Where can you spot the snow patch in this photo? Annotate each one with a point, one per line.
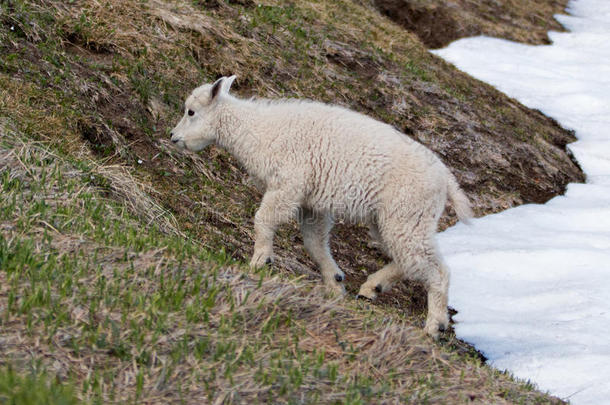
(532, 284)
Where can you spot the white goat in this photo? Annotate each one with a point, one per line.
(326, 162)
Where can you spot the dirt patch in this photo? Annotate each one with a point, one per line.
(439, 22)
(216, 4)
(350, 57)
(435, 26)
(100, 142)
(77, 38)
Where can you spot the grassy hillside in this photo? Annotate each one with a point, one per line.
(120, 258)
(105, 307)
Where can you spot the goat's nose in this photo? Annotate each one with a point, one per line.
(174, 140)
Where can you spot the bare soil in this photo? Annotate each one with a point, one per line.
(439, 22)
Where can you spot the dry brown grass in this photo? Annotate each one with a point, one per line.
(136, 196)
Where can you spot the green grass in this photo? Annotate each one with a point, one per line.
(33, 389)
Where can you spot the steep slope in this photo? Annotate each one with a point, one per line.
(106, 82)
(110, 80)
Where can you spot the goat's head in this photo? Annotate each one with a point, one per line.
(196, 129)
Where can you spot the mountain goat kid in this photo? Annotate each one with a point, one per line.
(325, 162)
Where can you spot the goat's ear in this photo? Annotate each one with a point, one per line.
(226, 84)
(216, 88)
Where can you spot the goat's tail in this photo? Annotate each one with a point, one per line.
(459, 200)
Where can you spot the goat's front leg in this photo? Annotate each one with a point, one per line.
(316, 234)
(277, 207)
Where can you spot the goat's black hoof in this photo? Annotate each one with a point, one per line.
(378, 289)
(339, 277)
(269, 260)
(442, 328)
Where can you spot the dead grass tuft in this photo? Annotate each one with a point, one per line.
(135, 195)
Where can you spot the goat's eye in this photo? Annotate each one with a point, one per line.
(191, 112)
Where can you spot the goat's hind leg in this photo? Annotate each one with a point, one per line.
(436, 279)
(416, 258)
(423, 263)
(316, 234)
(380, 281)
